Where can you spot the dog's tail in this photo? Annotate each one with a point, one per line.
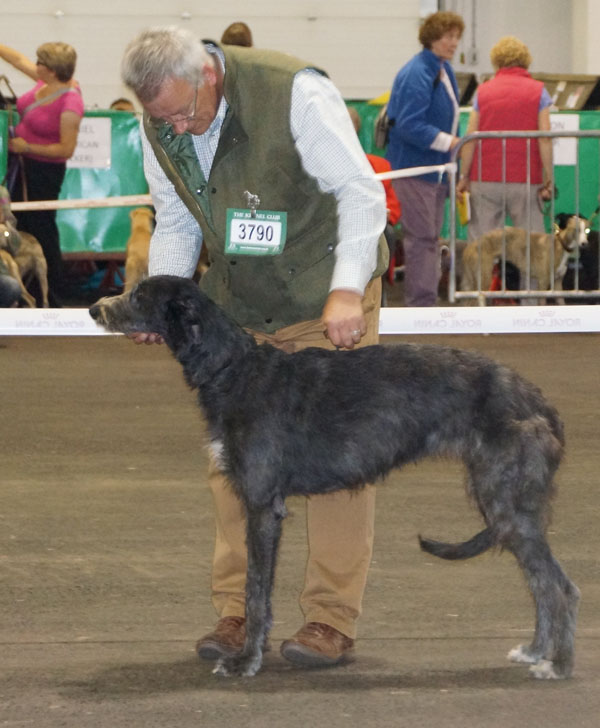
(453, 551)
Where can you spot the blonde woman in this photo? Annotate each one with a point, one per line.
(514, 101)
(45, 137)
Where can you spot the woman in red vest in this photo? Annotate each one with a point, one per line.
(511, 100)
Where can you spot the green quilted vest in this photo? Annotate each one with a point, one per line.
(256, 152)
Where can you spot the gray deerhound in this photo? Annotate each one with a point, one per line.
(317, 421)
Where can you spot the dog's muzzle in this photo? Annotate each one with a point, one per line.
(97, 312)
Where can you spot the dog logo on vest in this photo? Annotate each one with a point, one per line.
(252, 201)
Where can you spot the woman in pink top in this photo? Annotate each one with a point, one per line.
(46, 137)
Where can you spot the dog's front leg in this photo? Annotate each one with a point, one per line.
(263, 533)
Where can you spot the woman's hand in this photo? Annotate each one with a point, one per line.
(464, 185)
(18, 145)
(545, 192)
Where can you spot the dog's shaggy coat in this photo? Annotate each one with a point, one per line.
(318, 421)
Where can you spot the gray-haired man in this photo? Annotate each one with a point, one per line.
(252, 154)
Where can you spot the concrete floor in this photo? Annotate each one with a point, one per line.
(105, 546)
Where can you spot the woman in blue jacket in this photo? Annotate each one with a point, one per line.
(424, 112)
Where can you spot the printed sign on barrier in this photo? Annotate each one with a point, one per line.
(93, 145)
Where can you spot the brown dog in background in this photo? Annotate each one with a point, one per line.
(138, 246)
(564, 243)
(29, 261)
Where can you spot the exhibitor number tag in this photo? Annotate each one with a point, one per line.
(263, 233)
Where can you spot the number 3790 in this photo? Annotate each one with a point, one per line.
(256, 232)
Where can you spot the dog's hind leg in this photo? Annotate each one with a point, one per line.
(512, 486)
(263, 534)
(556, 598)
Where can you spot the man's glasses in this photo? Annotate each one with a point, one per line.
(183, 119)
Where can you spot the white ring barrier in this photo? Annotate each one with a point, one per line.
(123, 201)
(490, 320)
(49, 322)
(416, 171)
(392, 321)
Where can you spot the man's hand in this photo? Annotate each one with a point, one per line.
(343, 318)
(146, 338)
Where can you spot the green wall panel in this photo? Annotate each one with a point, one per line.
(104, 229)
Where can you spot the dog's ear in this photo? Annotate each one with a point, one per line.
(183, 318)
(562, 218)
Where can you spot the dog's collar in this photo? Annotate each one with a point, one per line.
(560, 234)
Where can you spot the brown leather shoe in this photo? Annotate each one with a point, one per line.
(318, 645)
(226, 640)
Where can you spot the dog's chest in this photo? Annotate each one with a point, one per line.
(217, 453)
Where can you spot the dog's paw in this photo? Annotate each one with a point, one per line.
(220, 668)
(544, 670)
(522, 654)
(239, 665)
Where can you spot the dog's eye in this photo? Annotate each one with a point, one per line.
(587, 231)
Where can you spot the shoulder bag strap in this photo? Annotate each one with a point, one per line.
(45, 100)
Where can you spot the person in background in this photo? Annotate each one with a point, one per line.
(45, 137)
(238, 34)
(122, 104)
(10, 291)
(225, 129)
(510, 101)
(424, 113)
(379, 165)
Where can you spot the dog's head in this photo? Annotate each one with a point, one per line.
(187, 320)
(10, 239)
(4, 235)
(156, 305)
(573, 230)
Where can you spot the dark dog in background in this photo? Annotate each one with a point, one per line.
(582, 270)
(317, 421)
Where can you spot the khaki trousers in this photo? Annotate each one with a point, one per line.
(340, 525)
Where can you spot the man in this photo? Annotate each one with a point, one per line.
(252, 154)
